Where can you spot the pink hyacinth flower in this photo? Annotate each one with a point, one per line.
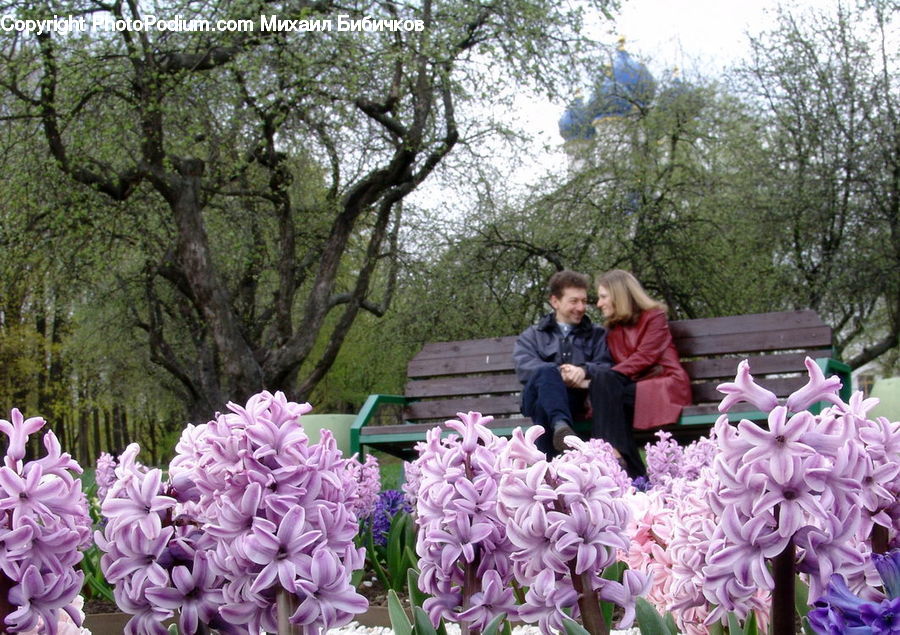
(743, 388)
(817, 389)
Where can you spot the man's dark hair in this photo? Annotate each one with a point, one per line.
(565, 279)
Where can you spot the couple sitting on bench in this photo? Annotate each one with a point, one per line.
(624, 376)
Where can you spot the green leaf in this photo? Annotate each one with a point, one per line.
(801, 597)
(750, 625)
(423, 624)
(173, 629)
(396, 556)
(494, 625)
(670, 623)
(372, 555)
(416, 597)
(411, 560)
(613, 572)
(399, 619)
(649, 620)
(574, 628)
(734, 624)
(714, 629)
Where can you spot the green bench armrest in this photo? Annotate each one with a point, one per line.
(373, 403)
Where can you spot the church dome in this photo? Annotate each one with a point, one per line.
(576, 122)
(626, 87)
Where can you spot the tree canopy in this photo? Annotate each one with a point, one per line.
(250, 182)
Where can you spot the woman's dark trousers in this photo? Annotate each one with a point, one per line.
(612, 398)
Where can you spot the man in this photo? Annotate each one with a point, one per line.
(554, 358)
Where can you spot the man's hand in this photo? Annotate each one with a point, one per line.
(573, 376)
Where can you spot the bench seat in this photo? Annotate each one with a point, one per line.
(445, 378)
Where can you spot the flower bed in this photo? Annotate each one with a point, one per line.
(254, 528)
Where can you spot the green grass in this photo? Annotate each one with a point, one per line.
(391, 470)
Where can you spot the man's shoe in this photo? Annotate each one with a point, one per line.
(560, 432)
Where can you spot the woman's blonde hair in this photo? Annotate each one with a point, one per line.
(627, 295)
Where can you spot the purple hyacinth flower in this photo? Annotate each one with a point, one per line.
(840, 611)
(817, 389)
(196, 594)
(29, 495)
(328, 597)
(140, 502)
(888, 567)
(132, 555)
(281, 550)
(389, 504)
(625, 594)
(882, 618)
(18, 431)
(494, 598)
(42, 595)
(147, 618)
(743, 388)
(781, 444)
(750, 543)
(546, 600)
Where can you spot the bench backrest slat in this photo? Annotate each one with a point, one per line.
(747, 323)
(724, 368)
(460, 386)
(486, 346)
(464, 365)
(447, 408)
(753, 342)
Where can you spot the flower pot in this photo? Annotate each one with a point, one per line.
(888, 391)
(339, 425)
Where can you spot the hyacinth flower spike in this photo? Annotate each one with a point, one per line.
(18, 430)
(888, 567)
(817, 389)
(841, 611)
(743, 388)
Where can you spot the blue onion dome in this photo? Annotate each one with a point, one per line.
(627, 86)
(575, 124)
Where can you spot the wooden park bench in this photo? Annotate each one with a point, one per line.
(445, 378)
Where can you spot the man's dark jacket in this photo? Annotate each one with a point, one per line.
(542, 345)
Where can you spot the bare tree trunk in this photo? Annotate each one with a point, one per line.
(108, 446)
(95, 434)
(83, 436)
(119, 431)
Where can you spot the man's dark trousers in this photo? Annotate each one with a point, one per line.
(546, 399)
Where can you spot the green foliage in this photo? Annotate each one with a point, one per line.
(417, 598)
(649, 621)
(226, 207)
(392, 563)
(613, 572)
(573, 628)
(400, 623)
(95, 584)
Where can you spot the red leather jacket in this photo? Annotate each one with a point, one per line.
(644, 352)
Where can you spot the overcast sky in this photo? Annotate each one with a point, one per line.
(699, 37)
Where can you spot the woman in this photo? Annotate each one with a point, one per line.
(646, 387)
